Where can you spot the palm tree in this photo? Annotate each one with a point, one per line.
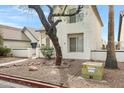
(111, 61)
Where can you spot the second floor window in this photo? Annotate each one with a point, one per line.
(75, 18)
(72, 18)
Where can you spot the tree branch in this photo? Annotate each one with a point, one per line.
(53, 24)
(64, 9)
(57, 21)
(76, 12)
(53, 27)
(50, 15)
(41, 15)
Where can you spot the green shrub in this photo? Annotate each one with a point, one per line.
(1, 40)
(47, 51)
(4, 51)
(1, 51)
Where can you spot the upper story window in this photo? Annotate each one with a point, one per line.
(75, 18)
(72, 18)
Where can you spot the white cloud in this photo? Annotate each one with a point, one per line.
(16, 16)
(10, 24)
(25, 10)
(14, 13)
(19, 13)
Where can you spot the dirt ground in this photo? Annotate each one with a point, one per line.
(68, 75)
(8, 59)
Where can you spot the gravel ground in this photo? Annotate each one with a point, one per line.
(8, 59)
(68, 75)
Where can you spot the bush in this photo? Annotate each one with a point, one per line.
(1, 51)
(47, 51)
(4, 51)
(1, 40)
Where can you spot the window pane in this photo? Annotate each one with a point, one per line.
(72, 44)
(80, 43)
(75, 42)
(79, 17)
(72, 18)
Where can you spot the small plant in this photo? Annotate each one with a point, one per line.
(4, 51)
(47, 51)
(1, 40)
(1, 51)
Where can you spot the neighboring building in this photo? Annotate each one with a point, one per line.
(121, 31)
(44, 39)
(33, 35)
(16, 38)
(78, 34)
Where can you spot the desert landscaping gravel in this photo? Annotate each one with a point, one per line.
(68, 75)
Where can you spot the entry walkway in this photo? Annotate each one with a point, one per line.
(13, 62)
(6, 84)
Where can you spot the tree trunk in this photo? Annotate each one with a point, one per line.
(111, 61)
(50, 28)
(57, 47)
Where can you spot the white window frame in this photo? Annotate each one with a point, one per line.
(78, 17)
(75, 35)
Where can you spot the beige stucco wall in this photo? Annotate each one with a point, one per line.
(122, 35)
(42, 39)
(100, 55)
(91, 29)
(95, 30)
(32, 35)
(14, 37)
(12, 33)
(17, 44)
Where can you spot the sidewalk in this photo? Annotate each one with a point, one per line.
(13, 62)
(6, 84)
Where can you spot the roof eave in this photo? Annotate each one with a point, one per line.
(97, 14)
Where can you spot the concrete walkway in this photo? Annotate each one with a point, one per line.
(6, 84)
(13, 62)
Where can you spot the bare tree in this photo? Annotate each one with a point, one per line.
(111, 61)
(50, 26)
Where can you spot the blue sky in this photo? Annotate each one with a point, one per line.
(103, 11)
(19, 17)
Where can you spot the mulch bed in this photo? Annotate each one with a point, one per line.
(68, 75)
(8, 59)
